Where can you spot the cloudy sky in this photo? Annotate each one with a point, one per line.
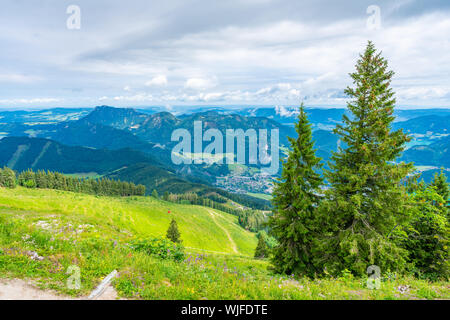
(216, 52)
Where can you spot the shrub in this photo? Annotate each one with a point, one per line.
(425, 236)
(29, 184)
(161, 248)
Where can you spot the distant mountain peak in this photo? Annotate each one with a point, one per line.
(164, 114)
(121, 118)
(114, 110)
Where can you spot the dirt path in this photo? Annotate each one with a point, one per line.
(24, 290)
(233, 244)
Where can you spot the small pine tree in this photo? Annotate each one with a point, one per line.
(366, 199)
(296, 197)
(172, 233)
(261, 249)
(166, 196)
(155, 194)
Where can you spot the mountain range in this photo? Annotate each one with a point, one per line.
(135, 145)
(23, 153)
(435, 154)
(425, 125)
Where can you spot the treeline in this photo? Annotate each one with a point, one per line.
(195, 199)
(58, 181)
(246, 200)
(154, 177)
(222, 196)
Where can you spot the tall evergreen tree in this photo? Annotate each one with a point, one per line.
(295, 199)
(172, 233)
(366, 199)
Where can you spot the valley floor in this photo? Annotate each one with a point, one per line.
(44, 234)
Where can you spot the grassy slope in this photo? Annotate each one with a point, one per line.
(260, 195)
(93, 232)
(144, 217)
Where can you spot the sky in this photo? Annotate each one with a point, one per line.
(228, 52)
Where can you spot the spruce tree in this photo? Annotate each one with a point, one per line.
(366, 199)
(295, 198)
(261, 249)
(172, 233)
(155, 194)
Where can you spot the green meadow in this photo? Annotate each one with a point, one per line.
(260, 195)
(143, 217)
(44, 232)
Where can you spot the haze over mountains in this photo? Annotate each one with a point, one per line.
(135, 145)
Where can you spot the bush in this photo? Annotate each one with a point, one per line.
(161, 248)
(425, 236)
(29, 184)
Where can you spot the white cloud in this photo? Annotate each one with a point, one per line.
(18, 78)
(282, 92)
(428, 93)
(29, 101)
(160, 80)
(285, 112)
(200, 83)
(140, 97)
(263, 54)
